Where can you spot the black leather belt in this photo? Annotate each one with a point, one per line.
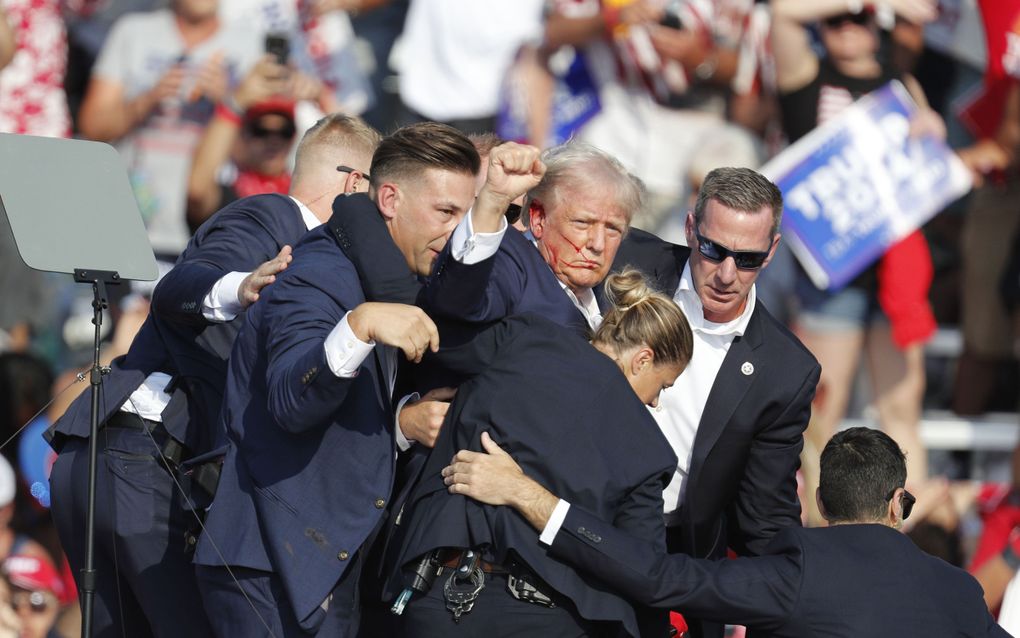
(171, 450)
(130, 421)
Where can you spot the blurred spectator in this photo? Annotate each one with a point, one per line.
(10, 624)
(885, 310)
(454, 56)
(153, 89)
(991, 230)
(7, 43)
(664, 72)
(245, 148)
(25, 383)
(85, 37)
(35, 594)
(12, 542)
(32, 99)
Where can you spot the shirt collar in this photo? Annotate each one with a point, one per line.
(585, 301)
(307, 216)
(687, 298)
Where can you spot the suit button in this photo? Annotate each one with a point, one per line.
(343, 555)
(380, 503)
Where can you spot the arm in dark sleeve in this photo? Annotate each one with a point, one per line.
(382, 268)
(298, 315)
(475, 356)
(766, 500)
(759, 592)
(641, 516)
(237, 240)
(479, 293)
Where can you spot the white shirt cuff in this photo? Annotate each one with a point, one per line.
(552, 528)
(345, 352)
(469, 247)
(222, 304)
(404, 443)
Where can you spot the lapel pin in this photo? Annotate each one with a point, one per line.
(747, 368)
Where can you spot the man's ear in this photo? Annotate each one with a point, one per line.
(354, 180)
(388, 198)
(536, 218)
(820, 504)
(689, 228)
(772, 250)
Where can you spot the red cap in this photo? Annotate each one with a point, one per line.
(273, 106)
(33, 574)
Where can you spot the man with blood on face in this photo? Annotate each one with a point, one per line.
(578, 209)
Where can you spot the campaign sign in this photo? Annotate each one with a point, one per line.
(859, 183)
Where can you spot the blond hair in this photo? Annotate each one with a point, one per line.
(640, 316)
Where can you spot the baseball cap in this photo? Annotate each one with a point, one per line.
(33, 574)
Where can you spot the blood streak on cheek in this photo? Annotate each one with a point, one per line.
(585, 262)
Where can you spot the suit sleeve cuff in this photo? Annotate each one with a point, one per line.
(403, 443)
(469, 247)
(552, 528)
(345, 352)
(222, 303)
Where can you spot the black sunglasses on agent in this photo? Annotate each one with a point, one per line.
(907, 501)
(744, 259)
(348, 169)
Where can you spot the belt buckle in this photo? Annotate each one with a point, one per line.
(463, 585)
(524, 591)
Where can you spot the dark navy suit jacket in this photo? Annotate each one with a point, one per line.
(310, 464)
(845, 581)
(742, 486)
(514, 281)
(177, 339)
(571, 419)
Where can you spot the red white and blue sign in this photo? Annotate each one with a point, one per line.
(861, 182)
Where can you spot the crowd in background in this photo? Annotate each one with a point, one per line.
(204, 100)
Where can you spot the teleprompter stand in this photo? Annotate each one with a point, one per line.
(71, 210)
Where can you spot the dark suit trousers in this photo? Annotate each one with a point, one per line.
(496, 614)
(263, 609)
(145, 581)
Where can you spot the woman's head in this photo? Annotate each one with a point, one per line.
(645, 333)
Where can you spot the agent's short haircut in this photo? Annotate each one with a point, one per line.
(485, 142)
(412, 150)
(860, 468)
(574, 166)
(741, 189)
(341, 138)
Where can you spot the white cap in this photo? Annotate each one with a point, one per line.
(8, 482)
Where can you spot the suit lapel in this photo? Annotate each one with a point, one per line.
(737, 373)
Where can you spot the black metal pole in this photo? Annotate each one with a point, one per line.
(88, 573)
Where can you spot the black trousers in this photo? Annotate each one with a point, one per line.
(145, 580)
(496, 614)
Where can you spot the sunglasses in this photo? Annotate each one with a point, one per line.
(907, 501)
(348, 169)
(860, 19)
(37, 601)
(261, 132)
(744, 259)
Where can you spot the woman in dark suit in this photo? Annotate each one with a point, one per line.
(573, 414)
